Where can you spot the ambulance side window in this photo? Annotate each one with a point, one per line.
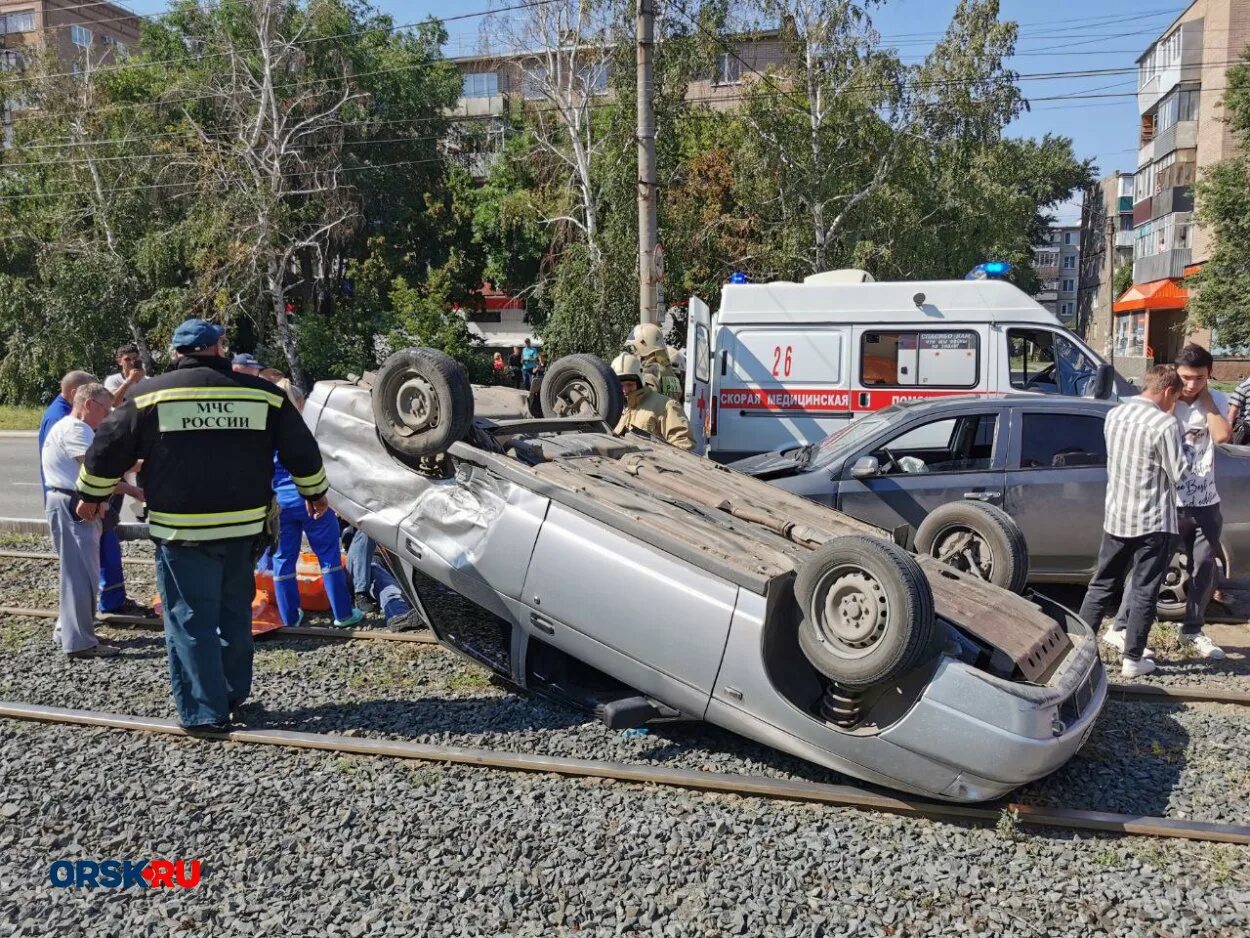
(930, 359)
(1048, 362)
(702, 354)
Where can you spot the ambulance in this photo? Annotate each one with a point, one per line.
(785, 364)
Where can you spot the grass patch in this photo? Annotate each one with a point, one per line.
(281, 659)
(13, 637)
(19, 417)
(390, 673)
(1008, 826)
(468, 680)
(11, 540)
(422, 775)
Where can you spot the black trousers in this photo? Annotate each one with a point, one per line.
(1134, 566)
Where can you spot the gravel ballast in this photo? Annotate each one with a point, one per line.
(464, 851)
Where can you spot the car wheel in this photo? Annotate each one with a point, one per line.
(977, 539)
(867, 611)
(422, 402)
(582, 386)
(1174, 592)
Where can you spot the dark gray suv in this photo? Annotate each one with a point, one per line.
(1041, 459)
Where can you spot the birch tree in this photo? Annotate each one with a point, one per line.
(825, 122)
(269, 132)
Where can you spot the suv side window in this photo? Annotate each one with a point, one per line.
(1048, 361)
(1062, 441)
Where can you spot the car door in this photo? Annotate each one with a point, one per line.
(1056, 479)
(962, 455)
(699, 373)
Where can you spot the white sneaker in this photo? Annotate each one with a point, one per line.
(1203, 645)
(1131, 668)
(1114, 638)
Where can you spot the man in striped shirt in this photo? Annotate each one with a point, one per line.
(1145, 465)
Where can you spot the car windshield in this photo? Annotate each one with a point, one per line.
(850, 436)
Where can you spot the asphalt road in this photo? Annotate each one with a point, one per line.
(20, 491)
(20, 495)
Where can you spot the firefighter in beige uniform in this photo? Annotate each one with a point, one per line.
(647, 342)
(649, 410)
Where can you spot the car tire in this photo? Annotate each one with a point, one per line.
(980, 540)
(1174, 591)
(582, 386)
(867, 611)
(422, 402)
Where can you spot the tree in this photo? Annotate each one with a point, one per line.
(1223, 208)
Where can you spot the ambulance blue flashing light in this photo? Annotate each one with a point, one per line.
(989, 270)
(738, 277)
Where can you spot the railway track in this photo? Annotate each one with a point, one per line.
(1145, 693)
(754, 786)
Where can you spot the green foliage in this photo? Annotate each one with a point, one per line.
(1223, 207)
(843, 156)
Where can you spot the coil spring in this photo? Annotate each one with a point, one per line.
(840, 706)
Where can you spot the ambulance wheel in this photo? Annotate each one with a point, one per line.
(980, 540)
(867, 611)
(582, 386)
(422, 402)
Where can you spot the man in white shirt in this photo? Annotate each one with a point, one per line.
(130, 372)
(77, 543)
(1202, 416)
(1145, 467)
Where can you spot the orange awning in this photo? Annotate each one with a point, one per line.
(1157, 294)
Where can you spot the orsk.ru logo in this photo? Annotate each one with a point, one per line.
(123, 874)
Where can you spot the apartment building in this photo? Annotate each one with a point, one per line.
(1057, 261)
(71, 29)
(1181, 80)
(1109, 198)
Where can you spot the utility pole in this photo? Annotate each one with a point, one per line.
(648, 224)
(1111, 233)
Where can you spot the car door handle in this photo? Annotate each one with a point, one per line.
(542, 623)
(983, 496)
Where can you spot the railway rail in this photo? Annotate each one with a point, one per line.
(846, 796)
(1144, 693)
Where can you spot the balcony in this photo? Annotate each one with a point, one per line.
(1124, 239)
(1125, 203)
(1173, 199)
(1161, 266)
(1142, 212)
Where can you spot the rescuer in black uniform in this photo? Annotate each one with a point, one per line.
(206, 436)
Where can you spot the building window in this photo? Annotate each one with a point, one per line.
(1069, 262)
(1067, 237)
(11, 61)
(728, 69)
(1046, 259)
(1187, 107)
(595, 78)
(80, 36)
(1069, 286)
(1065, 310)
(1142, 185)
(533, 83)
(23, 21)
(480, 85)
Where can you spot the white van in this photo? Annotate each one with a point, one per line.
(785, 364)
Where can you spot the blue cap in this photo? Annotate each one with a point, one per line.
(196, 334)
(247, 359)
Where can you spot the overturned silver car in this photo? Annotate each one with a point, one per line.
(644, 583)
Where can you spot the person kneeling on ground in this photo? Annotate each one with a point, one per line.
(1145, 466)
(374, 585)
(294, 523)
(649, 410)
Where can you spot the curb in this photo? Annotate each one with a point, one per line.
(18, 434)
(126, 531)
